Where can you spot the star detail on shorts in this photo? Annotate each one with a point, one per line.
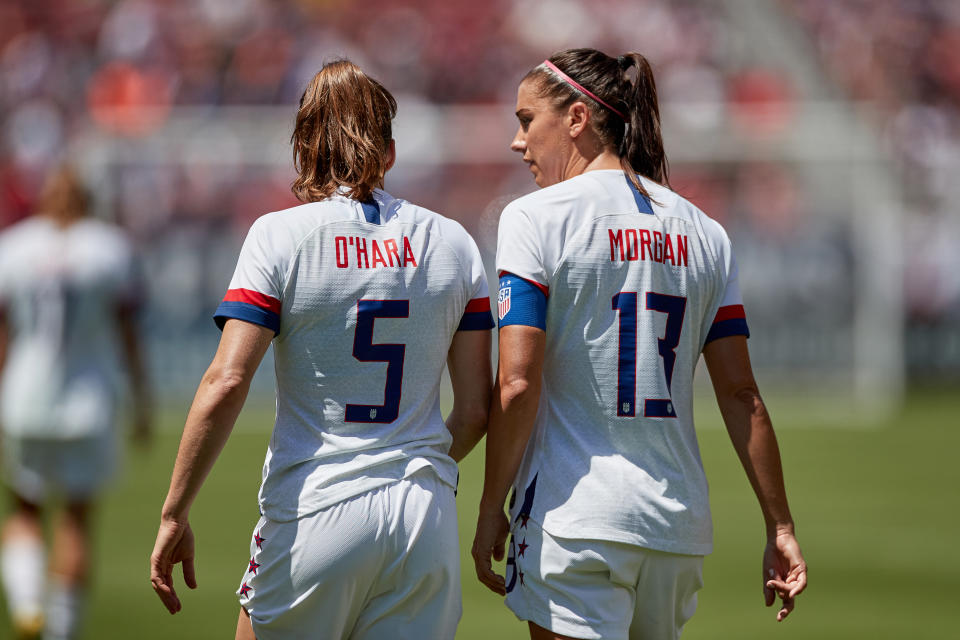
(258, 540)
(523, 546)
(520, 574)
(244, 589)
(523, 519)
(253, 566)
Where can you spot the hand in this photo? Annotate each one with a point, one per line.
(492, 529)
(174, 544)
(784, 572)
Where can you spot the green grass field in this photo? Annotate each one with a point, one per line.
(876, 507)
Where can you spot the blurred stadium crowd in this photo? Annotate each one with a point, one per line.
(121, 69)
(902, 58)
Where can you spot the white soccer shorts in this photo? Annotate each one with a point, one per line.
(600, 589)
(76, 469)
(382, 565)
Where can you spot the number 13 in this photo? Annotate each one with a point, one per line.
(626, 303)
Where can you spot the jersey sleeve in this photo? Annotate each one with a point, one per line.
(523, 293)
(521, 302)
(518, 248)
(255, 291)
(476, 315)
(730, 320)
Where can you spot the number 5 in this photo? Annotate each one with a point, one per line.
(626, 303)
(365, 351)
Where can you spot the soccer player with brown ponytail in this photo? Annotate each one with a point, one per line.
(611, 287)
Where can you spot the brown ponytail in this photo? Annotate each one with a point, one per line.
(636, 139)
(342, 134)
(642, 147)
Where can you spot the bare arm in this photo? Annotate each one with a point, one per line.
(469, 365)
(513, 410)
(751, 432)
(140, 390)
(215, 408)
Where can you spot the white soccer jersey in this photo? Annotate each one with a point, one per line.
(61, 289)
(364, 301)
(633, 292)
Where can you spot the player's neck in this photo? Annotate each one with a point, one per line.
(63, 219)
(606, 159)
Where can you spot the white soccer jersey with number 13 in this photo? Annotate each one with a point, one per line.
(364, 300)
(634, 289)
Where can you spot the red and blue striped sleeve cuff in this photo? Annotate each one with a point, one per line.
(521, 301)
(477, 316)
(249, 306)
(730, 320)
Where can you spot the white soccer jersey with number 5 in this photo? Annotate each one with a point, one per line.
(628, 291)
(364, 299)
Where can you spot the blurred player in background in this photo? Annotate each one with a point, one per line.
(69, 290)
(364, 297)
(611, 285)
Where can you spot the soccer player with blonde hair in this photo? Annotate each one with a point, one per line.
(364, 297)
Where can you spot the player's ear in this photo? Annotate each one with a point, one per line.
(391, 155)
(578, 116)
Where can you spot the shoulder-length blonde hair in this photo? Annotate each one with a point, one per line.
(342, 134)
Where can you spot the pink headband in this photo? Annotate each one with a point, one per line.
(579, 87)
